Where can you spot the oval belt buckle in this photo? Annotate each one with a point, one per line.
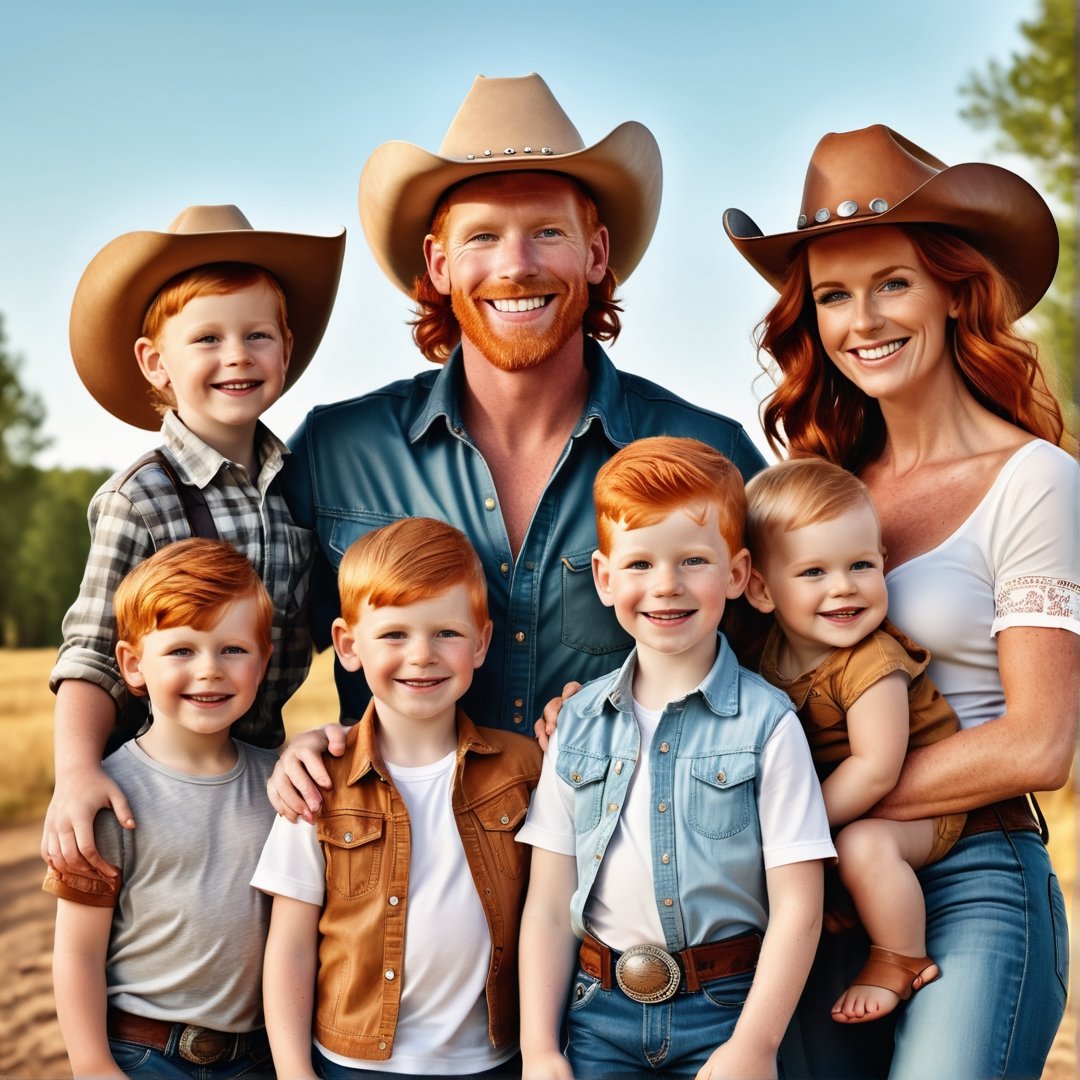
(190, 1050)
(648, 974)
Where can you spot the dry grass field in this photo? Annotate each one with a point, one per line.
(30, 1044)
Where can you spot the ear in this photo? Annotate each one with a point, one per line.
(437, 264)
(482, 644)
(128, 660)
(757, 592)
(287, 343)
(266, 663)
(345, 645)
(954, 306)
(598, 256)
(150, 363)
(601, 575)
(740, 572)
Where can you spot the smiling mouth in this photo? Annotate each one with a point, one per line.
(881, 351)
(238, 387)
(842, 614)
(668, 616)
(422, 684)
(524, 303)
(207, 699)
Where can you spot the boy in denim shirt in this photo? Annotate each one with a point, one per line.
(678, 829)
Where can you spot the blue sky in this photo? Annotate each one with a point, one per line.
(116, 114)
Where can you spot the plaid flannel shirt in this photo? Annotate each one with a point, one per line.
(132, 519)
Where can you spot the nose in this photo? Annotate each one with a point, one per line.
(519, 258)
(209, 667)
(666, 581)
(237, 353)
(842, 584)
(421, 653)
(868, 317)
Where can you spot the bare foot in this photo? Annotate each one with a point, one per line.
(861, 1002)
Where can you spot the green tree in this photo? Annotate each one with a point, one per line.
(1032, 104)
(21, 416)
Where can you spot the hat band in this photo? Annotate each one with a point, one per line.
(848, 208)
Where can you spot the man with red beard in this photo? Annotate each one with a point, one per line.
(509, 240)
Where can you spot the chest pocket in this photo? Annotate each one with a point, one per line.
(585, 774)
(352, 844)
(346, 530)
(500, 818)
(722, 793)
(587, 625)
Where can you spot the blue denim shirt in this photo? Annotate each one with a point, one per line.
(403, 451)
(708, 870)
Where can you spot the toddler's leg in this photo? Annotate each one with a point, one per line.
(877, 863)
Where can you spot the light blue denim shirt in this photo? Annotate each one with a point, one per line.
(403, 451)
(704, 828)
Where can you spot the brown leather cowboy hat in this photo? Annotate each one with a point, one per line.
(876, 177)
(508, 125)
(123, 278)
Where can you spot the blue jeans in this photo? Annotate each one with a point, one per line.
(612, 1036)
(137, 1060)
(995, 925)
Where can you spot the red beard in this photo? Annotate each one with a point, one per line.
(518, 348)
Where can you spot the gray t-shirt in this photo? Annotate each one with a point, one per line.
(188, 930)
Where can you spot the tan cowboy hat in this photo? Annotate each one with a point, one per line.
(876, 177)
(123, 278)
(509, 125)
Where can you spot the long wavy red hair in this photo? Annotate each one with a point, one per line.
(817, 410)
(436, 330)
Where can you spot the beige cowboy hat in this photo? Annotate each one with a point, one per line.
(123, 278)
(509, 125)
(876, 177)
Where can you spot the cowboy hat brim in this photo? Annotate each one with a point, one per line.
(122, 280)
(996, 211)
(401, 185)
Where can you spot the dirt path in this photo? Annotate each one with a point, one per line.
(30, 1043)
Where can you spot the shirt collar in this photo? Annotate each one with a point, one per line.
(719, 689)
(606, 402)
(366, 757)
(198, 464)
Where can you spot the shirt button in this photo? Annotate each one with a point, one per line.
(576, 777)
(518, 702)
(668, 901)
(489, 503)
(388, 974)
(721, 777)
(664, 748)
(504, 567)
(662, 807)
(347, 838)
(519, 719)
(519, 637)
(382, 1045)
(618, 767)
(612, 807)
(393, 901)
(665, 858)
(505, 819)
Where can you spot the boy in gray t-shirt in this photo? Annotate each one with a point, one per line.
(160, 969)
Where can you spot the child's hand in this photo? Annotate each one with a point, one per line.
(736, 1061)
(544, 728)
(67, 842)
(294, 785)
(550, 1066)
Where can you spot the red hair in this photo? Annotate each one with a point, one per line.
(817, 410)
(213, 279)
(411, 560)
(189, 583)
(436, 330)
(651, 478)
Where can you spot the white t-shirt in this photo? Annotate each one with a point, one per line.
(1015, 561)
(621, 909)
(443, 1021)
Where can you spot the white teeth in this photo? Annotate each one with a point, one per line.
(237, 385)
(667, 614)
(881, 351)
(528, 303)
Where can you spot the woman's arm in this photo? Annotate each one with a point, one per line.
(1029, 748)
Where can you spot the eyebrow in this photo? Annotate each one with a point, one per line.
(877, 276)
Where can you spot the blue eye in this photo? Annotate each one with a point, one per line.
(826, 298)
(812, 572)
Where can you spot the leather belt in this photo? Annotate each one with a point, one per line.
(199, 1045)
(1009, 815)
(649, 974)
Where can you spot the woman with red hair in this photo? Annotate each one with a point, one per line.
(895, 356)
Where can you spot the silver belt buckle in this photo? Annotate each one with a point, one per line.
(648, 974)
(189, 1046)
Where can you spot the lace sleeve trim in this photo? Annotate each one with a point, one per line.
(1049, 599)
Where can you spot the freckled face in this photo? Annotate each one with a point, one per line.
(882, 317)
